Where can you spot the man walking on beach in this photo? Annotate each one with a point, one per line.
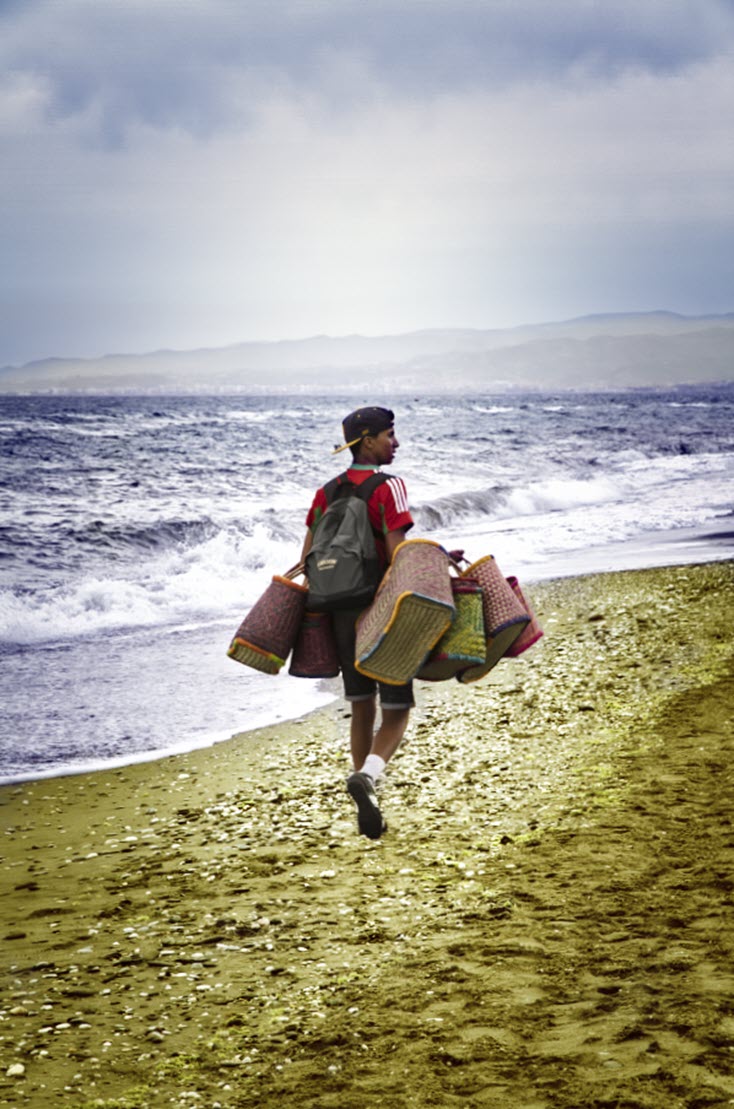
(369, 434)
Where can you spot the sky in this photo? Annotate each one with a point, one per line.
(193, 173)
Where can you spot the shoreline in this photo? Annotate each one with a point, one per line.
(676, 548)
(211, 922)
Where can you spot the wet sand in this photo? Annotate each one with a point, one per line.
(548, 923)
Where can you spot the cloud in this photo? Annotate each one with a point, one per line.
(200, 66)
(198, 173)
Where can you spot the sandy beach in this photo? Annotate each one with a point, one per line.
(548, 923)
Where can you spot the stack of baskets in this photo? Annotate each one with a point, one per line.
(505, 616)
(422, 623)
(278, 624)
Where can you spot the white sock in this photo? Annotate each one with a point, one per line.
(374, 766)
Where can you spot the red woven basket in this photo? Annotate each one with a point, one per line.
(532, 632)
(314, 655)
(267, 634)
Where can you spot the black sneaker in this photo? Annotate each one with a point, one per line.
(361, 788)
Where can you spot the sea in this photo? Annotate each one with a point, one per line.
(137, 531)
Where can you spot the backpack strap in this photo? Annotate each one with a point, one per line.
(341, 486)
(332, 487)
(366, 488)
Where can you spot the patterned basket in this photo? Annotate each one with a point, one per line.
(266, 636)
(411, 611)
(532, 632)
(464, 643)
(504, 615)
(314, 655)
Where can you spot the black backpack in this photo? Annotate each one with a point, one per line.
(342, 566)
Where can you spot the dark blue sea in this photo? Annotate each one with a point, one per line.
(135, 532)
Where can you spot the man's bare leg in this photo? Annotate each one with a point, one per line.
(390, 733)
(365, 741)
(370, 753)
(362, 730)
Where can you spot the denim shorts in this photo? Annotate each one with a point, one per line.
(358, 687)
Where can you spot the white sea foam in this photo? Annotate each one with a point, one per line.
(558, 494)
(223, 575)
(249, 416)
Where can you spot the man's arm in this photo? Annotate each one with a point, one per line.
(391, 502)
(307, 543)
(393, 539)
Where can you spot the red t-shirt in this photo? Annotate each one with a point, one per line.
(387, 508)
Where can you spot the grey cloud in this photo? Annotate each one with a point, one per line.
(205, 65)
(192, 172)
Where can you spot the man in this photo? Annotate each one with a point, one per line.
(370, 435)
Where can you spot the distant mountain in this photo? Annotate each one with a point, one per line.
(604, 351)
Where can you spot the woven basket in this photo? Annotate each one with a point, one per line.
(504, 615)
(314, 655)
(267, 634)
(464, 643)
(532, 632)
(411, 611)
(242, 651)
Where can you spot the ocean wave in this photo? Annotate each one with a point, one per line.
(59, 433)
(222, 575)
(558, 494)
(456, 506)
(502, 502)
(120, 537)
(58, 545)
(695, 403)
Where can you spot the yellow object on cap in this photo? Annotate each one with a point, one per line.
(343, 447)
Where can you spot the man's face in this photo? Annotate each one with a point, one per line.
(382, 447)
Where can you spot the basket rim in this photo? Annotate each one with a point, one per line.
(291, 584)
(475, 566)
(416, 541)
(251, 646)
(448, 609)
(526, 645)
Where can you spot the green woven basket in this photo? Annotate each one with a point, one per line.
(463, 644)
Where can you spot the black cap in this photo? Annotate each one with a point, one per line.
(365, 421)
